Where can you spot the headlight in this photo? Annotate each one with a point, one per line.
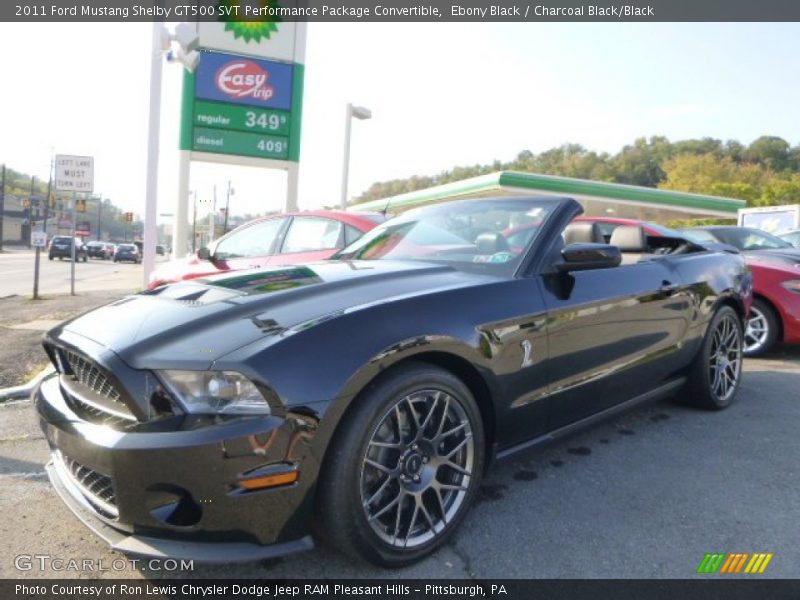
(216, 392)
(793, 285)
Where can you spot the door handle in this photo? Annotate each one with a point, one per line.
(668, 287)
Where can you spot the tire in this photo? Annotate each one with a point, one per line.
(49, 258)
(413, 441)
(716, 372)
(762, 329)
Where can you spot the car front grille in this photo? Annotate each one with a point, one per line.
(90, 391)
(90, 375)
(98, 489)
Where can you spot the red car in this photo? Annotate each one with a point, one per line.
(775, 312)
(609, 224)
(283, 239)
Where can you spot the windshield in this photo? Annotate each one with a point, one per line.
(487, 235)
(699, 235)
(745, 238)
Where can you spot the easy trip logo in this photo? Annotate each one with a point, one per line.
(244, 78)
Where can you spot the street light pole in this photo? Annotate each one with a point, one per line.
(361, 113)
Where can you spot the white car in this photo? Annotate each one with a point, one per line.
(793, 237)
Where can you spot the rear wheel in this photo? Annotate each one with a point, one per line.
(717, 368)
(404, 468)
(762, 329)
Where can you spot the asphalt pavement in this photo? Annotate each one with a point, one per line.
(645, 495)
(16, 275)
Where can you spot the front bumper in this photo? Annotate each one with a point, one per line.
(789, 306)
(175, 492)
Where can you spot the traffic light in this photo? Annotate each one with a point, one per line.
(52, 201)
(129, 217)
(80, 205)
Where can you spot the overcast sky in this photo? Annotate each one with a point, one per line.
(441, 95)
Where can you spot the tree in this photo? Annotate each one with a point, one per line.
(769, 151)
(781, 191)
(640, 164)
(763, 173)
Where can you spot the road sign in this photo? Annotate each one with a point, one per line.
(83, 228)
(38, 239)
(244, 107)
(74, 173)
(241, 144)
(277, 40)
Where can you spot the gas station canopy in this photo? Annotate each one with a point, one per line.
(598, 198)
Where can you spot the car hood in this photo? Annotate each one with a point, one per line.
(783, 255)
(191, 324)
(184, 268)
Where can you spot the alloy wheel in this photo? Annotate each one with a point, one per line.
(725, 360)
(417, 468)
(756, 332)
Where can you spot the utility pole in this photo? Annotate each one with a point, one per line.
(194, 226)
(99, 215)
(72, 245)
(47, 203)
(2, 203)
(227, 208)
(212, 218)
(30, 211)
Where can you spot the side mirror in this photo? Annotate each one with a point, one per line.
(582, 257)
(204, 253)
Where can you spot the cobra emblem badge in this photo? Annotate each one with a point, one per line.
(527, 353)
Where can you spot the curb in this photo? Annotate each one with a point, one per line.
(23, 391)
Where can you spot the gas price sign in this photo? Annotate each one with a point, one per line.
(246, 107)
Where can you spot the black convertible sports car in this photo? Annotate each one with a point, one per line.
(360, 399)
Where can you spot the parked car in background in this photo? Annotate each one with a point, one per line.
(751, 241)
(607, 225)
(275, 240)
(775, 263)
(101, 250)
(235, 416)
(793, 237)
(127, 253)
(61, 248)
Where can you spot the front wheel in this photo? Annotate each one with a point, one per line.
(404, 467)
(716, 372)
(762, 329)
